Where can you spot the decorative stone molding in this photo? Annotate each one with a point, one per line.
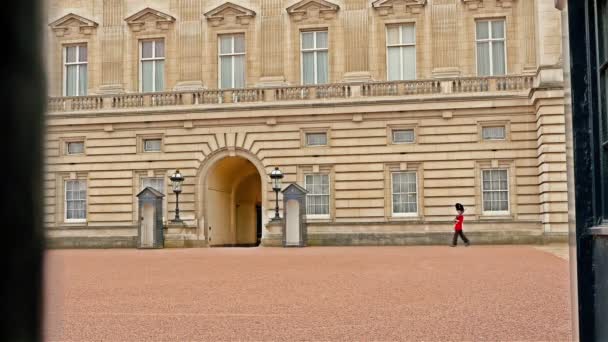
(312, 9)
(386, 7)
(475, 4)
(230, 13)
(149, 18)
(73, 24)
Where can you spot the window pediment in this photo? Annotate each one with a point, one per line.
(73, 24)
(475, 4)
(149, 17)
(310, 9)
(229, 13)
(385, 7)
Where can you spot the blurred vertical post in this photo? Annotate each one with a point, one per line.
(23, 100)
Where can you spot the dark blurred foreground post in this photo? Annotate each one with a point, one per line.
(588, 22)
(23, 99)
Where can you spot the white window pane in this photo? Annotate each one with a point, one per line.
(408, 34)
(403, 136)
(392, 35)
(308, 40)
(308, 68)
(321, 40)
(493, 133)
(82, 53)
(226, 71)
(147, 76)
(239, 43)
(75, 147)
(159, 48)
(483, 59)
(71, 80)
(498, 29)
(239, 71)
(316, 139)
(322, 72)
(394, 65)
(146, 49)
(82, 80)
(160, 76)
(152, 145)
(225, 44)
(498, 57)
(482, 30)
(409, 62)
(70, 54)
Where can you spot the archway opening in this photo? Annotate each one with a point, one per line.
(233, 203)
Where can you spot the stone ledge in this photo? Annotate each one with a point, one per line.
(91, 242)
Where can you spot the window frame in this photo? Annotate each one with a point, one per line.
(504, 128)
(154, 59)
(315, 51)
(485, 212)
(76, 63)
(65, 201)
(67, 147)
(395, 129)
(490, 41)
(160, 147)
(392, 207)
(324, 133)
(401, 45)
(232, 58)
(329, 196)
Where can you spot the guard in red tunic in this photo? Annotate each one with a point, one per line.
(458, 226)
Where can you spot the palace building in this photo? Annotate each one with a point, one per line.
(386, 112)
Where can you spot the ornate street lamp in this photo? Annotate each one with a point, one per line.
(177, 179)
(276, 175)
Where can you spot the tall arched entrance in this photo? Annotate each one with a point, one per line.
(233, 202)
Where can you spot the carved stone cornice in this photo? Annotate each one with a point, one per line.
(386, 7)
(312, 9)
(73, 24)
(475, 4)
(229, 13)
(149, 17)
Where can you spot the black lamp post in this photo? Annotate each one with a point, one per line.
(276, 175)
(177, 179)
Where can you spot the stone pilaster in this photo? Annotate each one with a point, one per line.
(355, 19)
(112, 41)
(445, 38)
(272, 42)
(188, 31)
(528, 35)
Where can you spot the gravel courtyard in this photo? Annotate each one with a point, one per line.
(497, 293)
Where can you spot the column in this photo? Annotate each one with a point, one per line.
(188, 32)
(444, 21)
(272, 31)
(112, 46)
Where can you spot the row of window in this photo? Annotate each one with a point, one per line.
(314, 51)
(404, 191)
(398, 136)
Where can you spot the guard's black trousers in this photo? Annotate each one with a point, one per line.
(455, 239)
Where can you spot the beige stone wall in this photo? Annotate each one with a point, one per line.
(445, 38)
(448, 153)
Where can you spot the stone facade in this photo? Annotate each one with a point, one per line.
(226, 141)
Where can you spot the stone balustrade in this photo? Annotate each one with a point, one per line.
(293, 93)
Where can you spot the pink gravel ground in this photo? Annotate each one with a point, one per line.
(481, 293)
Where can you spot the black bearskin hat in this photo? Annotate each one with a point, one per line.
(459, 207)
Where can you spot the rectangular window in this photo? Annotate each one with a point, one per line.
(152, 145)
(232, 61)
(75, 70)
(493, 133)
(75, 147)
(401, 136)
(495, 191)
(314, 48)
(317, 199)
(75, 200)
(491, 48)
(156, 183)
(404, 190)
(401, 52)
(316, 139)
(152, 65)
